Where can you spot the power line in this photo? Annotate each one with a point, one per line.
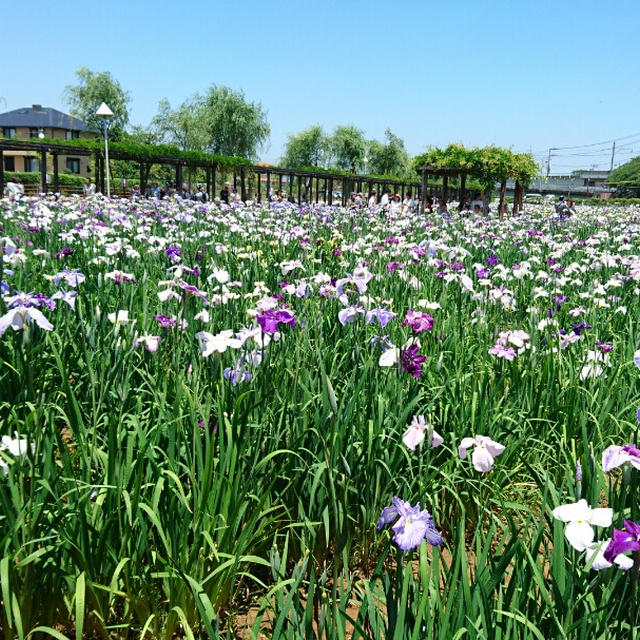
(584, 146)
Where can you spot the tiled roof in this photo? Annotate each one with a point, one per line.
(39, 116)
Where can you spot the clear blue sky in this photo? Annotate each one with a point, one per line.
(525, 75)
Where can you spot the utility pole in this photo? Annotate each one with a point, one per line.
(549, 160)
(613, 153)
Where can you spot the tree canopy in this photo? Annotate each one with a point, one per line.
(487, 164)
(347, 148)
(390, 158)
(626, 179)
(221, 122)
(183, 126)
(308, 148)
(92, 89)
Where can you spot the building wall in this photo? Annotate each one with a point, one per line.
(20, 158)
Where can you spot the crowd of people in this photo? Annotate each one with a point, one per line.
(392, 203)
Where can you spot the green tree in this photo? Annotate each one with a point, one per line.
(626, 179)
(234, 127)
(348, 148)
(390, 158)
(92, 89)
(306, 149)
(183, 127)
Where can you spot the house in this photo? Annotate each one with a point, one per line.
(42, 122)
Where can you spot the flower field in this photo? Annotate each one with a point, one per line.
(297, 422)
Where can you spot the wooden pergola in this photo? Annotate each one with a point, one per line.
(311, 186)
(444, 173)
(456, 172)
(43, 149)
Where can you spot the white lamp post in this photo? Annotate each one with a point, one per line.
(105, 113)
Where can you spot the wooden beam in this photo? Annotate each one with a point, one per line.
(330, 196)
(268, 185)
(259, 187)
(463, 189)
(243, 185)
(503, 187)
(423, 201)
(213, 182)
(56, 178)
(445, 187)
(43, 171)
(142, 178)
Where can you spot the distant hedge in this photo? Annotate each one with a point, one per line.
(33, 177)
(143, 152)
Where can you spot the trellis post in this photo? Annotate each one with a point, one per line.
(43, 171)
(56, 178)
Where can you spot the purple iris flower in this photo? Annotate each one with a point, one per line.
(604, 347)
(418, 321)
(165, 321)
(270, 319)
(383, 316)
(492, 261)
(483, 273)
(412, 361)
(268, 322)
(622, 541)
(559, 300)
(580, 327)
(172, 251)
(412, 524)
(65, 251)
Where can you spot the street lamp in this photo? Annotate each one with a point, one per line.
(105, 113)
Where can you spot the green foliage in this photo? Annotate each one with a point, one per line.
(221, 122)
(626, 179)
(306, 149)
(347, 148)
(34, 177)
(488, 165)
(127, 149)
(388, 158)
(160, 501)
(93, 89)
(183, 127)
(233, 126)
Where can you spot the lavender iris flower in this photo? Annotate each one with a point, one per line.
(349, 314)
(623, 541)
(383, 316)
(18, 317)
(615, 456)
(237, 374)
(412, 524)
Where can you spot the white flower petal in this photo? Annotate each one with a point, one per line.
(579, 534)
(571, 512)
(601, 517)
(482, 459)
(389, 357)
